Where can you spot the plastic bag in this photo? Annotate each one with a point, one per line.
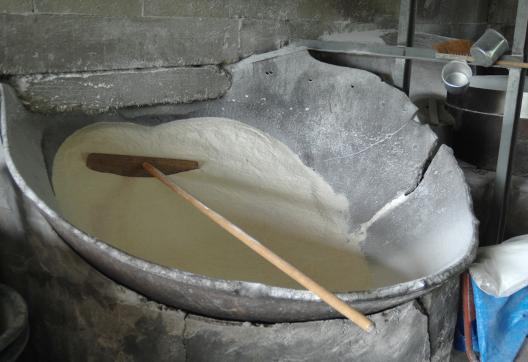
(502, 270)
(502, 324)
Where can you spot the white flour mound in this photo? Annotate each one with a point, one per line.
(250, 178)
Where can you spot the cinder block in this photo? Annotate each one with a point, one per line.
(69, 43)
(465, 31)
(258, 36)
(252, 9)
(314, 29)
(98, 92)
(92, 7)
(16, 6)
(268, 9)
(329, 10)
(197, 8)
(452, 11)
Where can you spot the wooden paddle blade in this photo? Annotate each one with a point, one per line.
(132, 166)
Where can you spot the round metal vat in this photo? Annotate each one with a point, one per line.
(359, 133)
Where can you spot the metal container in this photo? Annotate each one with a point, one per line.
(478, 118)
(359, 133)
(489, 47)
(456, 76)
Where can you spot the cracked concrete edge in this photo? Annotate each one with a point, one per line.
(97, 92)
(338, 339)
(206, 339)
(384, 140)
(422, 309)
(441, 324)
(433, 151)
(184, 339)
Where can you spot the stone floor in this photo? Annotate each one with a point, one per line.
(458, 356)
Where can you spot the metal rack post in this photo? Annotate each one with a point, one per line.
(402, 69)
(512, 107)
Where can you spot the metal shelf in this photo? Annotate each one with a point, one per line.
(404, 53)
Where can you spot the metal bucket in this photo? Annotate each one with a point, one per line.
(359, 133)
(456, 76)
(489, 47)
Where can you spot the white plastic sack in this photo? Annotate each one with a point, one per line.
(502, 270)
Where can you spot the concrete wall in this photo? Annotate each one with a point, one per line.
(72, 35)
(502, 15)
(40, 36)
(113, 39)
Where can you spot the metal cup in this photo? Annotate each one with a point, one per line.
(490, 46)
(456, 76)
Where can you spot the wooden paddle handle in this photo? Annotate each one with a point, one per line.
(356, 317)
(511, 64)
(470, 59)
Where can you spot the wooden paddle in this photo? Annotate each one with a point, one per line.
(129, 168)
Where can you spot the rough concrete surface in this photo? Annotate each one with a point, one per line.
(210, 8)
(274, 9)
(452, 12)
(259, 36)
(441, 305)
(502, 15)
(315, 29)
(96, 92)
(68, 36)
(331, 340)
(16, 6)
(92, 7)
(59, 43)
(48, 43)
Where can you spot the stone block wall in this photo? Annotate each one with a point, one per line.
(123, 36)
(40, 36)
(43, 36)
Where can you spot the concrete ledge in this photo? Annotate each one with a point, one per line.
(70, 43)
(47, 43)
(98, 92)
(92, 7)
(333, 10)
(16, 6)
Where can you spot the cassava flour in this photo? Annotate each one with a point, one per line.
(252, 179)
